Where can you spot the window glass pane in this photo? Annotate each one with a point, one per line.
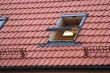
(1, 23)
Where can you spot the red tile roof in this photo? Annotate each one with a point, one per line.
(27, 24)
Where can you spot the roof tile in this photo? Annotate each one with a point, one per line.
(30, 62)
(52, 61)
(41, 62)
(74, 60)
(96, 61)
(107, 61)
(62, 62)
(47, 61)
(84, 61)
(90, 61)
(57, 61)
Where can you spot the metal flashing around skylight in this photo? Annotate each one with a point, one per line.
(60, 28)
(59, 43)
(3, 21)
(74, 15)
(3, 18)
(59, 22)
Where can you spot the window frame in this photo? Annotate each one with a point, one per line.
(60, 21)
(3, 20)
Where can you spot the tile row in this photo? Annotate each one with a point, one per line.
(17, 46)
(50, 4)
(21, 41)
(96, 44)
(95, 32)
(55, 61)
(24, 35)
(56, 9)
(96, 25)
(57, 54)
(48, 54)
(25, 28)
(35, 16)
(91, 17)
(35, 47)
(58, 14)
(94, 39)
(47, 21)
(31, 22)
(84, 2)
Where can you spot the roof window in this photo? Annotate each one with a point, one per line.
(3, 21)
(68, 27)
(66, 30)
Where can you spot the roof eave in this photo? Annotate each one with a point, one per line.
(51, 68)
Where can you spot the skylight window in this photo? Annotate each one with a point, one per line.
(66, 31)
(3, 21)
(68, 27)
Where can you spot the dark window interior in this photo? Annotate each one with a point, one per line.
(71, 22)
